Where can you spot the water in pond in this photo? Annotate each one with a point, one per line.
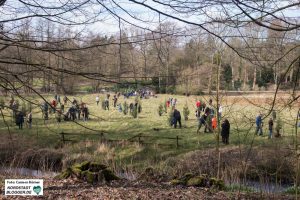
(26, 172)
(269, 187)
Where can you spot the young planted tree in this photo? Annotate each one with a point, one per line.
(125, 108)
(165, 107)
(186, 111)
(160, 109)
(134, 112)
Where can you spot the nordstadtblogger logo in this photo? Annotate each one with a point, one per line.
(37, 189)
(24, 187)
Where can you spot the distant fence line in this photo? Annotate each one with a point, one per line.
(140, 138)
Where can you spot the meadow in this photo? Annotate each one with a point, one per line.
(155, 147)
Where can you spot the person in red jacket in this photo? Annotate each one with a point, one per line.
(198, 104)
(214, 123)
(54, 105)
(168, 103)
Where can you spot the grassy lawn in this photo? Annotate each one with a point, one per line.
(240, 111)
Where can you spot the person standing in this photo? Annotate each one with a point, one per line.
(225, 131)
(198, 113)
(258, 122)
(177, 118)
(54, 103)
(168, 103)
(97, 99)
(220, 111)
(62, 108)
(271, 123)
(20, 119)
(106, 102)
(174, 103)
(85, 113)
(29, 120)
(214, 123)
(45, 110)
(65, 99)
(58, 99)
(115, 100)
(198, 104)
(120, 107)
(201, 122)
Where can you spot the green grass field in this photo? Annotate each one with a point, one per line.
(239, 110)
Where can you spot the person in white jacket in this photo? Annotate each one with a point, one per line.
(97, 99)
(220, 111)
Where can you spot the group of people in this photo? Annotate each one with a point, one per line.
(20, 115)
(209, 119)
(76, 111)
(175, 114)
(271, 122)
(171, 102)
(206, 114)
(105, 103)
(57, 107)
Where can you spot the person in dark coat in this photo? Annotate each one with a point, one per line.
(20, 120)
(65, 99)
(271, 123)
(72, 112)
(177, 118)
(202, 121)
(85, 112)
(115, 99)
(225, 131)
(259, 124)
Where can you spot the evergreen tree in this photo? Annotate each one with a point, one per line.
(186, 112)
(160, 109)
(125, 108)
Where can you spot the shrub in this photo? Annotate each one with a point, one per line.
(165, 106)
(125, 108)
(160, 109)
(186, 112)
(139, 108)
(134, 112)
(278, 127)
(103, 104)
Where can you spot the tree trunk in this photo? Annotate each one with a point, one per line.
(254, 78)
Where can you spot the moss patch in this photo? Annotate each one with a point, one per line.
(89, 172)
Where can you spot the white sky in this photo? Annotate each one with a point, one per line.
(107, 23)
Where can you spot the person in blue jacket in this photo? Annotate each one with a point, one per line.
(259, 124)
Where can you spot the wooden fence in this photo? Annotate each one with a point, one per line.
(140, 138)
(64, 135)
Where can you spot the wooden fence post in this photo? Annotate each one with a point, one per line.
(63, 137)
(101, 137)
(139, 138)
